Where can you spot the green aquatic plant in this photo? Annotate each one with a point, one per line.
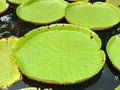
(114, 2)
(113, 50)
(3, 6)
(33, 88)
(9, 72)
(42, 11)
(77, 0)
(96, 16)
(29, 88)
(117, 88)
(59, 54)
(18, 2)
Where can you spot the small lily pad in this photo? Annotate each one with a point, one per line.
(117, 88)
(29, 88)
(3, 6)
(33, 88)
(113, 49)
(60, 54)
(17, 2)
(96, 16)
(78, 0)
(9, 72)
(42, 11)
(114, 2)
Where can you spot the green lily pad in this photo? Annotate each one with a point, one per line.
(9, 72)
(78, 0)
(48, 89)
(96, 16)
(117, 88)
(42, 11)
(29, 88)
(18, 2)
(114, 2)
(33, 88)
(113, 50)
(3, 6)
(60, 54)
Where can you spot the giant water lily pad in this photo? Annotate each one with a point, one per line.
(3, 6)
(60, 54)
(114, 2)
(117, 88)
(9, 72)
(33, 88)
(96, 16)
(42, 11)
(113, 49)
(29, 88)
(16, 1)
(78, 0)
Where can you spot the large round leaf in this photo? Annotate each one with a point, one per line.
(117, 88)
(96, 16)
(33, 88)
(114, 2)
(113, 49)
(77, 0)
(16, 1)
(61, 54)
(42, 11)
(3, 6)
(29, 88)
